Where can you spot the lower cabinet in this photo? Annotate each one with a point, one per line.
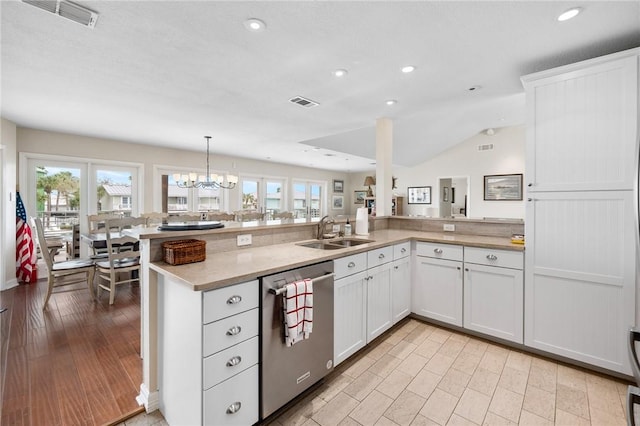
(494, 293)
(379, 296)
(208, 354)
(437, 285)
(401, 288)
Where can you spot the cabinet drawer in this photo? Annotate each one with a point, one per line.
(379, 256)
(228, 301)
(493, 257)
(439, 251)
(229, 362)
(229, 331)
(234, 401)
(401, 250)
(349, 265)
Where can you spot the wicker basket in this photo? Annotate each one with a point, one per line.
(184, 251)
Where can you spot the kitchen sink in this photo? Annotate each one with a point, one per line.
(320, 245)
(350, 242)
(334, 244)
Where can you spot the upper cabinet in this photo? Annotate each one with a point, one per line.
(582, 125)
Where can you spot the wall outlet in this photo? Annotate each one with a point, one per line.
(244, 240)
(336, 229)
(449, 227)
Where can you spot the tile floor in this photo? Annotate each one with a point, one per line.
(421, 374)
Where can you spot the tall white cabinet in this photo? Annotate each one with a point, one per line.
(581, 225)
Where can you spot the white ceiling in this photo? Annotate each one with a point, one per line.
(169, 72)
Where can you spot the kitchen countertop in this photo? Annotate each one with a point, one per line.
(231, 267)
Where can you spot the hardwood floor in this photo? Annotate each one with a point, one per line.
(76, 363)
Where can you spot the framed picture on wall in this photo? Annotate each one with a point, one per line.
(337, 202)
(503, 187)
(338, 185)
(419, 195)
(358, 197)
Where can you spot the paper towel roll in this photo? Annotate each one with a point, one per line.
(362, 221)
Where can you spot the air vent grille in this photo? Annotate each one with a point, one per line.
(485, 147)
(307, 103)
(68, 10)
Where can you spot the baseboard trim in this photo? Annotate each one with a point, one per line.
(150, 400)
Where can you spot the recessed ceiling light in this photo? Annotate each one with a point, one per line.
(407, 69)
(340, 73)
(568, 14)
(391, 102)
(255, 25)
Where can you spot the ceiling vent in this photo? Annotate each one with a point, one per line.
(307, 103)
(485, 147)
(68, 10)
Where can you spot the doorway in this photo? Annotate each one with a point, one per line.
(454, 196)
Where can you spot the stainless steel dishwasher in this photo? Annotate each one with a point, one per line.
(288, 371)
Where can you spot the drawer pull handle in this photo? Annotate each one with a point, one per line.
(234, 361)
(530, 184)
(234, 408)
(233, 300)
(492, 257)
(351, 265)
(437, 250)
(236, 329)
(403, 250)
(381, 256)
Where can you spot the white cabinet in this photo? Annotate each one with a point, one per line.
(349, 306)
(493, 292)
(581, 225)
(208, 354)
(401, 281)
(379, 296)
(437, 283)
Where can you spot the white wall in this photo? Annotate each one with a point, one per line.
(7, 204)
(464, 159)
(44, 142)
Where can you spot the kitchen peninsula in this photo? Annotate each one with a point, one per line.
(274, 248)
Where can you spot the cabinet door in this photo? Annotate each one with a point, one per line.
(580, 267)
(234, 401)
(582, 127)
(493, 301)
(401, 288)
(350, 316)
(437, 290)
(379, 318)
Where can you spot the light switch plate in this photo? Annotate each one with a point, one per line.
(449, 227)
(244, 240)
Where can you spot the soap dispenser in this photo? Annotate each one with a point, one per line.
(347, 229)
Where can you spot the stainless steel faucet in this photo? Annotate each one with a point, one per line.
(322, 225)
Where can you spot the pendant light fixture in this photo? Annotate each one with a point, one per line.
(209, 181)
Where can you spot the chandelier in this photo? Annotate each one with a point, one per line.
(208, 181)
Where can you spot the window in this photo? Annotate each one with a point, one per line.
(309, 199)
(185, 199)
(265, 194)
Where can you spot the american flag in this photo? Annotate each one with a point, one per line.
(25, 250)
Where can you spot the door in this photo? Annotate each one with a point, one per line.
(401, 288)
(309, 199)
(350, 316)
(379, 316)
(437, 291)
(446, 190)
(264, 194)
(493, 301)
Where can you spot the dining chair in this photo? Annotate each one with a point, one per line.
(282, 215)
(190, 217)
(123, 256)
(247, 217)
(155, 218)
(63, 273)
(97, 222)
(221, 216)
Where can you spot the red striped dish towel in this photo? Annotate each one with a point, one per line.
(298, 311)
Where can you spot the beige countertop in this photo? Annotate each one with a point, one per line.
(231, 267)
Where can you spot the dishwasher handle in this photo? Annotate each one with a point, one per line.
(281, 290)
